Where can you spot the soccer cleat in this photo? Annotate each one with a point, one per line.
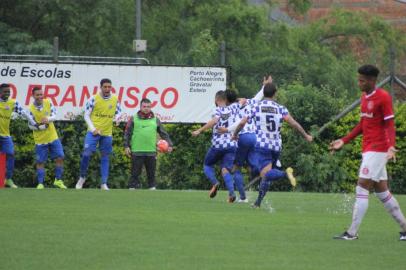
(242, 200)
(255, 206)
(79, 184)
(346, 236)
(11, 184)
(40, 186)
(213, 191)
(292, 179)
(231, 199)
(59, 184)
(104, 187)
(402, 236)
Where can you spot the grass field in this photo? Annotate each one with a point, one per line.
(121, 229)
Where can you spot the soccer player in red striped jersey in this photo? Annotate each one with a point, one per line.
(378, 146)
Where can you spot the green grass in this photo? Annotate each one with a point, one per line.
(121, 229)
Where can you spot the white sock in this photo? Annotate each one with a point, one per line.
(392, 206)
(359, 210)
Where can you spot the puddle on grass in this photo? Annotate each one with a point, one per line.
(344, 204)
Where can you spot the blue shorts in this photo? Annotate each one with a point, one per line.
(6, 145)
(55, 148)
(265, 157)
(246, 150)
(105, 143)
(225, 155)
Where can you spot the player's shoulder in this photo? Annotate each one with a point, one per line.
(114, 97)
(46, 101)
(380, 92)
(272, 103)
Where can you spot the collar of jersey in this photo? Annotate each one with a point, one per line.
(38, 107)
(370, 95)
(105, 98)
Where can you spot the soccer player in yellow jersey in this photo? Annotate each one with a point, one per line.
(7, 107)
(45, 138)
(100, 112)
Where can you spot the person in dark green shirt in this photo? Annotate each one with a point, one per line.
(140, 138)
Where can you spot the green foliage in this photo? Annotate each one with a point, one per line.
(100, 27)
(183, 168)
(300, 6)
(17, 42)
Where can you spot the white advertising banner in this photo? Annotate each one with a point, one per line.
(178, 94)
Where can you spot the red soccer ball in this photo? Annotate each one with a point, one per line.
(162, 146)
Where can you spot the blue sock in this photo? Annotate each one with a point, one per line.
(84, 164)
(9, 166)
(40, 175)
(209, 172)
(104, 168)
(274, 175)
(228, 180)
(263, 189)
(58, 172)
(239, 183)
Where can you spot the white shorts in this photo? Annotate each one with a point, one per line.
(373, 166)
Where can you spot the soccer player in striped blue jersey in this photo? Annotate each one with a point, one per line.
(223, 147)
(246, 140)
(268, 117)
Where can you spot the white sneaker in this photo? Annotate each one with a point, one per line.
(104, 187)
(79, 184)
(152, 188)
(242, 201)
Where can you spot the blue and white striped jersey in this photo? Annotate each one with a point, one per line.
(226, 117)
(268, 117)
(250, 125)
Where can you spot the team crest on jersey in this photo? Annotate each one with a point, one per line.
(225, 116)
(370, 105)
(110, 106)
(46, 113)
(365, 171)
(7, 107)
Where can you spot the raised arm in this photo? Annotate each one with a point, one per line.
(208, 125)
(294, 124)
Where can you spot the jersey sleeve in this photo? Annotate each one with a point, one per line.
(252, 101)
(216, 113)
(387, 107)
(88, 111)
(18, 109)
(118, 112)
(283, 111)
(52, 117)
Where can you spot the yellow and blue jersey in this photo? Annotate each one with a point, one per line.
(49, 134)
(102, 111)
(7, 108)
